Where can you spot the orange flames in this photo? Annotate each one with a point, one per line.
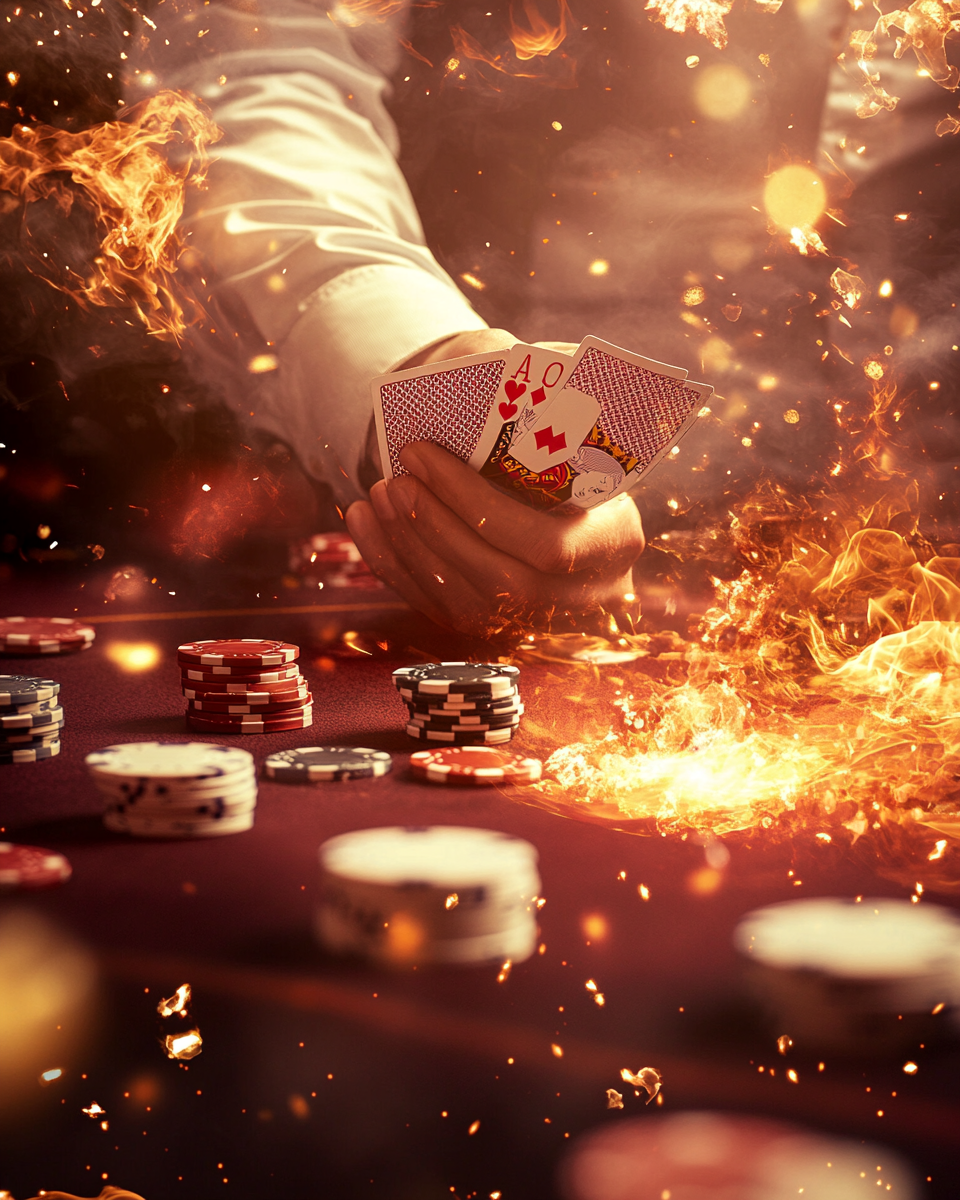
(821, 686)
(540, 36)
(926, 25)
(703, 16)
(131, 175)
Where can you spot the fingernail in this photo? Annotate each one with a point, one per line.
(380, 500)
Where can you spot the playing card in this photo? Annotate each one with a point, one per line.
(446, 403)
(531, 378)
(553, 436)
(617, 415)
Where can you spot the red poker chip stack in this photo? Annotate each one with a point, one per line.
(331, 560)
(244, 685)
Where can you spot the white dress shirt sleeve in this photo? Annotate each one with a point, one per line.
(307, 220)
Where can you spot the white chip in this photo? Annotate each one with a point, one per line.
(169, 761)
(434, 894)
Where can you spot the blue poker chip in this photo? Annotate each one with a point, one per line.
(321, 764)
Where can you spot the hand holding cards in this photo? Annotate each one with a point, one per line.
(549, 427)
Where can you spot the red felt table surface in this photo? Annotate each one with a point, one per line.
(157, 913)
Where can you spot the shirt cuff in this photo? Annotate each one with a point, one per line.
(364, 323)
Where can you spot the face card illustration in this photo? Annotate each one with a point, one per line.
(531, 378)
(446, 403)
(629, 411)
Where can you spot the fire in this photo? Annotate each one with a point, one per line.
(124, 176)
(539, 36)
(703, 16)
(926, 25)
(183, 1046)
(177, 1003)
(353, 13)
(818, 691)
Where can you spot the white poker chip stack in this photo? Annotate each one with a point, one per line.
(856, 976)
(436, 894)
(175, 789)
(721, 1156)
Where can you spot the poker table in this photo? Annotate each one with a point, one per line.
(328, 1077)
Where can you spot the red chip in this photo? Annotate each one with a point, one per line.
(217, 723)
(31, 867)
(476, 765)
(238, 652)
(208, 673)
(43, 634)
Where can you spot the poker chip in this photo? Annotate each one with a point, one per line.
(428, 894)
(316, 764)
(169, 762)
(175, 789)
(459, 678)
(491, 737)
(723, 1156)
(852, 976)
(475, 726)
(476, 765)
(30, 720)
(30, 867)
(43, 635)
(253, 653)
(431, 706)
(16, 690)
(218, 723)
(31, 737)
(29, 754)
(164, 792)
(178, 827)
(213, 808)
(247, 693)
(213, 674)
(240, 702)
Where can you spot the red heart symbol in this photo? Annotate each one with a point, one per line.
(514, 389)
(538, 396)
(507, 410)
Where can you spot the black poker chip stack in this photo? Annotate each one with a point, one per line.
(460, 703)
(31, 718)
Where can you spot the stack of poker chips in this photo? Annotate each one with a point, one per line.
(31, 637)
(461, 704)
(434, 894)
(331, 560)
(175, 789)
(853, 976)
(31, 718)
(244, 685)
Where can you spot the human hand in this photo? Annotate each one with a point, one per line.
(474, 559)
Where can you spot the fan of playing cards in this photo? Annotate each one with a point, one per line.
(552, 428)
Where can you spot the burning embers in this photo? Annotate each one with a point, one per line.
(821, 687)
(129, 178)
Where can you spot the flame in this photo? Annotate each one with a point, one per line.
(819, 691)
(703, 16)
(183, 1046)
(177, 1003)
(131, 176)
(539, 36)
(925, 27)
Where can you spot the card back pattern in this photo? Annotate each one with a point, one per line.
(641, 411)
(447, 407)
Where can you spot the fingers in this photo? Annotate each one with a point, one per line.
(414, 566)
(609, 537)
(380, 557)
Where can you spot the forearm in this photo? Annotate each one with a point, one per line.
(308, 222)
